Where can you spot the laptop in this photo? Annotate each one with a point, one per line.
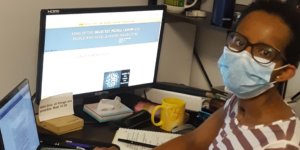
(18, 129)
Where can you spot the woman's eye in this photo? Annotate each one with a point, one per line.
(267, 53)
(239, 43)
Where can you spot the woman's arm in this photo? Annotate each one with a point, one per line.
(201, 137)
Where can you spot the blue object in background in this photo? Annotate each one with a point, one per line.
(222, 14)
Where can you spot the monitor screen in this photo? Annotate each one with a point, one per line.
(90, 50)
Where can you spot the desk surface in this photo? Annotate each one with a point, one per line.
(92, 130)
(101, 132)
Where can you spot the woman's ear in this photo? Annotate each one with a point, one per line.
(286, 74)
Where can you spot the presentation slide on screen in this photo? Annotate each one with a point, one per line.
(99, 55)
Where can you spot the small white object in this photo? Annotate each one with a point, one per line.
(109, 104)
(107, 110)
(195, 13)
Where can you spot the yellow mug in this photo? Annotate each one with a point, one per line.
(171, 115)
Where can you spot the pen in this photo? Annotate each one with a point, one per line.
(64, 145)
(81, 145)
(137, 143)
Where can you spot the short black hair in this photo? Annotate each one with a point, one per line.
(289, 14)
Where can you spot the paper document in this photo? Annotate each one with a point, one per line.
(56, 106)
(142, 136)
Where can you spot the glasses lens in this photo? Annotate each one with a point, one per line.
(263, 53)
(236, 42)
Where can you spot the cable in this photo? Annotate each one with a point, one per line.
(203, 69)
(294, 98)
(145, 95)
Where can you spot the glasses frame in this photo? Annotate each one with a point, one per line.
(278, 52)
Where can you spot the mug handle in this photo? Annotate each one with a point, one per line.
(153, 116)
(191, 5)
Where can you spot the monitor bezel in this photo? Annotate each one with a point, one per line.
(13, 92)
(45, 12)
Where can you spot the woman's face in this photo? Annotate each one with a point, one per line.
(266, 28)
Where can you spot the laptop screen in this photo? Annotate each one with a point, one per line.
(17, 122)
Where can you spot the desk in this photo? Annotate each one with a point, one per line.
(96, 132)
(92, 131)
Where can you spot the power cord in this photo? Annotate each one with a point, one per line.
(145, 95)
(295, 98)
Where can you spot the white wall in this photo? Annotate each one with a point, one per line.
(20, 32)
(176, 53)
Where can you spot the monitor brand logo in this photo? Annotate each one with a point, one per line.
(100, 93)
(53, 11)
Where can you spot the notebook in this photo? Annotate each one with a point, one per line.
(141, 136)
(18, 130)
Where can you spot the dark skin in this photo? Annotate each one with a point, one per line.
(271, 30)
(258, 27)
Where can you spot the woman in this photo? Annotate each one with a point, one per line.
(261, 52)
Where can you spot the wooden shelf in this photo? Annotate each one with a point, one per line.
(171, 17)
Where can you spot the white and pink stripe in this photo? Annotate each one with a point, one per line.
(279, 135)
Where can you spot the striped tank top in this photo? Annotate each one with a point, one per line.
(282, 134)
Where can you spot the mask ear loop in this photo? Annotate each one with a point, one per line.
(276, 69)
(273, 82)
(279, 68)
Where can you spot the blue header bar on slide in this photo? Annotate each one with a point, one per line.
(59, 39)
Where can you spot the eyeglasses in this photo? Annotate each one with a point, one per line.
(261, 53)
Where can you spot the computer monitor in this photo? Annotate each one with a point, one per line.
(88, 51)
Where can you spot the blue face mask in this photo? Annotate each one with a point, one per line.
(243, 76)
